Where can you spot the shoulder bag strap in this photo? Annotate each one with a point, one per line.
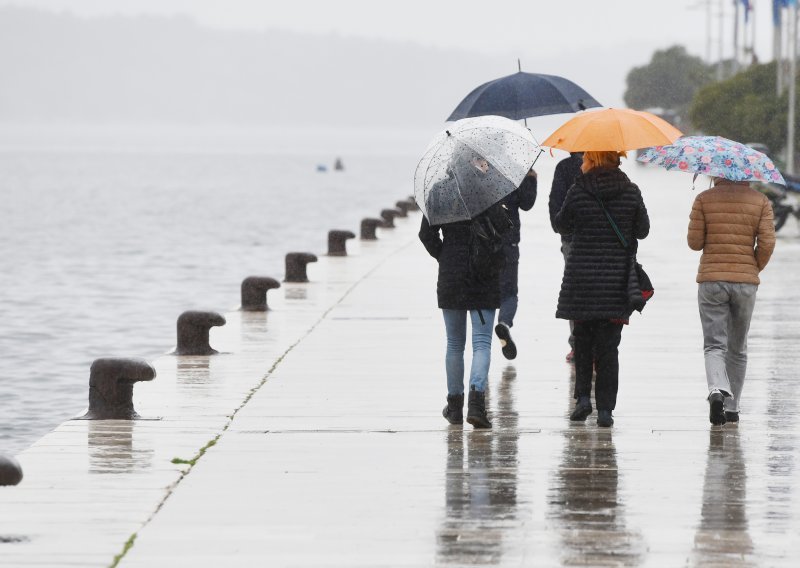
(623, 241)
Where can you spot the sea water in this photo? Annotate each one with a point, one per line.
(109, 233)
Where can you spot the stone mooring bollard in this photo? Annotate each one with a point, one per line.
(10, 471)
(368, 227)
(337, 242)
(296, 266)
(403, 207)
(388, 217)
(111, 381)
(254, 293)
(193, 329)
(413, 203)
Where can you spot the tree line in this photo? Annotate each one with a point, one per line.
(744, 106)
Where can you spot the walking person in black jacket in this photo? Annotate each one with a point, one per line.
(460, 292)
(567, 171)
(594, 288)
(523, 198)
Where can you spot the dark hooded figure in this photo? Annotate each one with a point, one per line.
(567, 171)
(521, 199)
(594, 288)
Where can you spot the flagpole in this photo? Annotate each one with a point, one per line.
(735, 61)
(753, 55)
(720, 75)
(777, 44)
(792, 88)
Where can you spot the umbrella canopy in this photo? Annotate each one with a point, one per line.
(471, 166)
(714, 156)
(523, 95)
(612, 129)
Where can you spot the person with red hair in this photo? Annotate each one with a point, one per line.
(594, 289)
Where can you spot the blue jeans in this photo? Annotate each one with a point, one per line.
(455, 323)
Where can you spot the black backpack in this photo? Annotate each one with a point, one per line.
(486, 255)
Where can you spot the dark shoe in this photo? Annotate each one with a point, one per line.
(716, 412)
(504, 333)
(476, 410)
(454, 411)
(731, 416)
(604, 418)
(583, 408)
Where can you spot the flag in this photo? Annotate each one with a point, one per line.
(776, 9)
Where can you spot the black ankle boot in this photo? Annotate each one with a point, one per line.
(604, 418)
(454, 411)
(583, 408)
(716, 409)
(476, 410)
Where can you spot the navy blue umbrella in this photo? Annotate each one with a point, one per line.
(524, 95)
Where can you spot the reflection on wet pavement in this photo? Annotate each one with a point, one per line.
(722, 536)
(481, 487)
(111, 448)
(584, 500)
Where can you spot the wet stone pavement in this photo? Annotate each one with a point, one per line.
(341, 457)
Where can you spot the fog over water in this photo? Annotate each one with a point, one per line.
(106, 241)
(148, 164)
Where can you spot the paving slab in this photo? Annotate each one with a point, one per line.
(329, 448)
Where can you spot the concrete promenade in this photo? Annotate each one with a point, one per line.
(315, 438)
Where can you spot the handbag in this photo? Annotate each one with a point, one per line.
(640, 288)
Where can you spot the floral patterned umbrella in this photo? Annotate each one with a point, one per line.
(714, 156)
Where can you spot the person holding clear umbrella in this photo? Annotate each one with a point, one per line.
(459, 184)
(462, 290)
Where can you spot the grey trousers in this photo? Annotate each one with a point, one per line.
(725, 312)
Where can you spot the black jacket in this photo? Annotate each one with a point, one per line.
(523, 198)
(567, 171)
(596, 271)
(456, 287)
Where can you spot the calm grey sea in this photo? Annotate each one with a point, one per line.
(108, 234)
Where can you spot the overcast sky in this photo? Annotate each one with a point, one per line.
(536, 30)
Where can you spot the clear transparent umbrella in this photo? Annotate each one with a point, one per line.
(472, 165)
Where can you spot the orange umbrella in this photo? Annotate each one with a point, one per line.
(612, 129)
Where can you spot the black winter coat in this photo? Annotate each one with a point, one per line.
(456, 287)
(523, 198)
(596, 271)
(567, 171)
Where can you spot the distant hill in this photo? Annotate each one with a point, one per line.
(58, 67)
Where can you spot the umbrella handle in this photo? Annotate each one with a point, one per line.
(537, 157)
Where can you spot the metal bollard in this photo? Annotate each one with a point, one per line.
(412, 203)
(337, 242)
(10, 471)
(193, 329)
(296, 266)
(254, 293)
(111, 382)
(388, 217)
(402, 207)
(368, 227)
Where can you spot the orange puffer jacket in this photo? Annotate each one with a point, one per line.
(732, 224)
